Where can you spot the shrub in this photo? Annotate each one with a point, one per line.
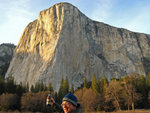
(9, 102)
(35, 102)
(89, 100)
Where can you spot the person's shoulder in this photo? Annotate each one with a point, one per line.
(78, 110)
(78, 105)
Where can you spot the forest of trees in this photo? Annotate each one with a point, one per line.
(128, 92)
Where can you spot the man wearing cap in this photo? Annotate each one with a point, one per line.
(69, 104)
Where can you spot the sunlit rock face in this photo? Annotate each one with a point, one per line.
(64, 42)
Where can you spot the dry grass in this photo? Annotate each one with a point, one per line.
(18, 112)
(136, 111)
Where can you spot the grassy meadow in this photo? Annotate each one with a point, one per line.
(123, 111)
(126, 111)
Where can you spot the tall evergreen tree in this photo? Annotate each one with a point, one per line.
(2, 85)
(141, 87)
(41, 87)
(45, 88)
(141, 84)
(61, 91)
(103, 85)
(10, 85)
(72, 88)
(50, 88)
(32, 89)
(37, 87)
(89, 84)
(94, 86)
(85, 82)
(148, 81)
(19, 89)
(26, 87)
(66, 86)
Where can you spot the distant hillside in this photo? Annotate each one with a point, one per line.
(6, 53)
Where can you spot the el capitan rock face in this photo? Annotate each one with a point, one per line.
(64, 42)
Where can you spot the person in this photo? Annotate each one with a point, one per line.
(69, 104)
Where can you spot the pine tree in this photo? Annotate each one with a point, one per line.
(19, 89)
(50, 88)
(41, 87)
(56, 97)
(10, 85)
(37, 87)
(26, 87)
(72, 88)
(85, 82)
(66, 86)
(32, 89)
(89, 84)
(103, 85)
(45, 88)
(148, 81)
(94, 86)
(61, 91)
(2, 85)
(142, 88)
(141, 84)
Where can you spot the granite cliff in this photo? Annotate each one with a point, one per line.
(64, 42)
(6, 53)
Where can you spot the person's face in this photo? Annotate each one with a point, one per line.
(68, 107)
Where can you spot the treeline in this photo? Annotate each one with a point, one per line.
(125, 93)
(128, 92)
(22, 98)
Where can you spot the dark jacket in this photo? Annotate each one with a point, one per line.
(59, 108)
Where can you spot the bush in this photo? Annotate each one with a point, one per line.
(35, 102)
(89, 100)
(9, 102)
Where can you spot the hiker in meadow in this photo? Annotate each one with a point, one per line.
(69, 104)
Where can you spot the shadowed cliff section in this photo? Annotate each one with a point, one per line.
(6, 54)
(64, 42)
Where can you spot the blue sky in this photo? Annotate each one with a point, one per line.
(15, 15)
